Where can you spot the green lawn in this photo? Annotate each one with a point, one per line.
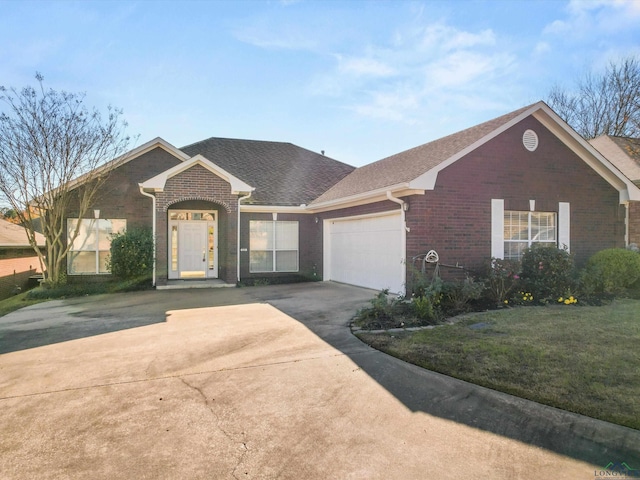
(16, 302)
(582, 359)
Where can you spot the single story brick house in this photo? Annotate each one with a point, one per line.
(624, 153)
(236, 210)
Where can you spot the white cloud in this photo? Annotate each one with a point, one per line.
(542, 48)
(464, 68)
(588, 18)
(396, 106)
(364, 67)
(395, 81)
(446, 38)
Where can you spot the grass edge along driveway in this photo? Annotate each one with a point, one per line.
(581, 359)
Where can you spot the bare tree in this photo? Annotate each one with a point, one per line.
(51, 146)
(602, 104)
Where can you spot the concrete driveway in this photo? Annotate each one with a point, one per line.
(263, 382)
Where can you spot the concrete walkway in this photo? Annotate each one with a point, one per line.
(263, 382)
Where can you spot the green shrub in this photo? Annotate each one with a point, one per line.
(611, 271)
(501, 278)
(547, 272)
(457, 295)
(131, 253)
(423, 308)
(426, 303)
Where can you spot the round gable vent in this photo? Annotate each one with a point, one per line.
(530, 140)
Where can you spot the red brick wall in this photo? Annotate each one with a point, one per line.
(15, 271)
(120, 196)
(309, 245)
(455, 218)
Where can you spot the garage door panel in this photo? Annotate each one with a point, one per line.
(367, 252)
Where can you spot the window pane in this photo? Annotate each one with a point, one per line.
(211, 246)
(261, 261)
(174, 248)
(516, 225)
(260, 235)
(514, 250)
(106, 228)
(82, 262)
(86, 239)
(103, 262)
(287, 261)
(543, 227)
(286, 235)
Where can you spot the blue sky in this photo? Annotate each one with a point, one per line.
(361, 80)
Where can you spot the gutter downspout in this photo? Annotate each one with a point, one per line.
(403, 242)
(153, 227)
(240, 199)
(627, 206)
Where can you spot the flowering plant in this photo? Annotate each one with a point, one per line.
(570, 300)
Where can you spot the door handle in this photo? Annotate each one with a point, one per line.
(204, 255)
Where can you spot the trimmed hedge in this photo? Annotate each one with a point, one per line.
(611, 271)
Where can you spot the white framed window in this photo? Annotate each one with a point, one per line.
(523, 229)
(90, 249)
(273, 246)
(509, 227)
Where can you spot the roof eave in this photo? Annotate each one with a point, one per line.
(380, 194)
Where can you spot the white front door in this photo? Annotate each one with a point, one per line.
(193, 244)
(192, 254)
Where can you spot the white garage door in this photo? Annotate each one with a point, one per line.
(365, 251)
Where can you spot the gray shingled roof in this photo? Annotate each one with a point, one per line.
(623, 152)
(410, 164)
(14, 236)
(282, 173)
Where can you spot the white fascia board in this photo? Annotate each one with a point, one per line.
(131, 155)
(427, 181)
(158, 182)
(273, 209)
(589, 154)
(365, 198)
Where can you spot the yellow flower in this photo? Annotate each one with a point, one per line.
(560, 300)
(506, 301)
(567, 301)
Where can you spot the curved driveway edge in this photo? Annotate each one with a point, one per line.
(263, 382)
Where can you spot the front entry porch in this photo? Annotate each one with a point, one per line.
(193, 245)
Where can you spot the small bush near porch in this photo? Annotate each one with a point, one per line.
(583, 360)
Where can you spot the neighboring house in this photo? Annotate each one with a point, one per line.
(624, 153)
(242, 209)
(18, 260)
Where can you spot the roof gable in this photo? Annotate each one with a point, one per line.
(418, 168)
(129, 156)
(158, 182)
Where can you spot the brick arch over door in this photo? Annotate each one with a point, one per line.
(196, 203)
(199, 186)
